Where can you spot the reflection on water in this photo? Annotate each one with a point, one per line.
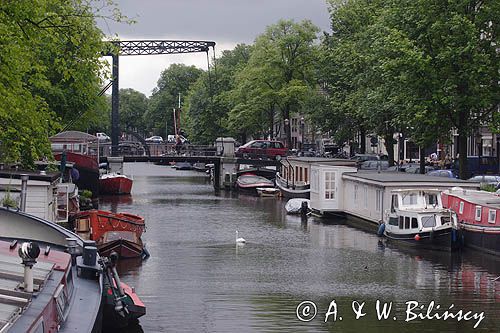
(198, 280)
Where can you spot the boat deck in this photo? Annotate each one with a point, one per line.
(13, 300)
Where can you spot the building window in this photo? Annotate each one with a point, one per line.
(378, 200)
(329, 185)
(492, 215)
(461, 209)
(478, 213)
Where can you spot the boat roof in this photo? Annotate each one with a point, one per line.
(72, 136)
(14, 300)
(405, 190)
(33, 175)
(323, 160)
(393, 178)
(482, 198)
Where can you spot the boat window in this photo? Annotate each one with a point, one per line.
(401, 222)
(428, 221)
(445, 220)
(38, 327)
(69, 284)
(394, 203)
(314, 180)
(296, 173)
(461, 209)
(305, 176)
(414, 223)
(61, 303)
(410, 199)
(300, 174)
(492, 215)
(478, 213)
(407, 222)
(431, 199)
(329, 185)
(393, 221)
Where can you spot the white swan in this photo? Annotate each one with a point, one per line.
(239, 240)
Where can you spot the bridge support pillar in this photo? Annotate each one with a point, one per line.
(225, 172)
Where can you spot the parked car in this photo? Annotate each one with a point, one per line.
(361, 158)
(487, 180)
(155, 139)
(262, 149)
(102, 137)
(374, 165)
(171, 139)
(443, 173)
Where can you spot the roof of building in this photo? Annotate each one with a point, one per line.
(73, 136)
(33, 175)
(402, 177)
(323, 160)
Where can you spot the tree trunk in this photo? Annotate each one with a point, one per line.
(288, 132)
(389, 146)
(421, 152)
(463, 172)
(362, 140)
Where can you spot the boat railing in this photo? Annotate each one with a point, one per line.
(292, 172)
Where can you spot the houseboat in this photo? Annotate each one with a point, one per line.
(46, 196)
(73, 289)
(478, 217)
(417, 218)
(82, 150)
(293, 178)
(61, 291)
(366, 195)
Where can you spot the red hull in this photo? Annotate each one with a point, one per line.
(124, 248)
(118, 184)
(86, 161)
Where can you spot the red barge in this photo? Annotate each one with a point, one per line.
(113, 232)
(478, 216)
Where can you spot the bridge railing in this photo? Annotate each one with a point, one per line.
(157, 149)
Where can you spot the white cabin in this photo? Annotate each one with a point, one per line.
(367, 195)
(327, 187)
(46, 197)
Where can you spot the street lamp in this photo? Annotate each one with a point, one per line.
(287, 123)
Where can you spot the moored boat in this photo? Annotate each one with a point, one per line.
(115, 183)
(119, 232)
(250, 182)
(71, 283)
(183, 166)
(294, 205)
(268, 191)
(417, 218)
(478, 217)
(77, 147)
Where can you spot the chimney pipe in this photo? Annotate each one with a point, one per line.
(24, 191)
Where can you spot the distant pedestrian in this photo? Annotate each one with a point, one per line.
(178, 144)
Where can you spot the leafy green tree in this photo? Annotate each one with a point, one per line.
(278, 78)
(211, 98)
(50, 69)
(133, 107)
(176, 79)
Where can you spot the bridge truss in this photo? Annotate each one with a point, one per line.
(143, 47)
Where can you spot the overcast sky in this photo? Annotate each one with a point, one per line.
(226, 22)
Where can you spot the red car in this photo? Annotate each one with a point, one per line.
(262, 148)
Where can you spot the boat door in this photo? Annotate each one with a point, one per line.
(330, 195)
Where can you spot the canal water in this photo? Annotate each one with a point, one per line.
(198, 280)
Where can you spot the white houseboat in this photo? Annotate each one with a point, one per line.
(367, 195)
(294, 176)
(46, 196)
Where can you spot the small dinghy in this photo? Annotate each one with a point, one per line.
(249, 182)
(293, 206)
